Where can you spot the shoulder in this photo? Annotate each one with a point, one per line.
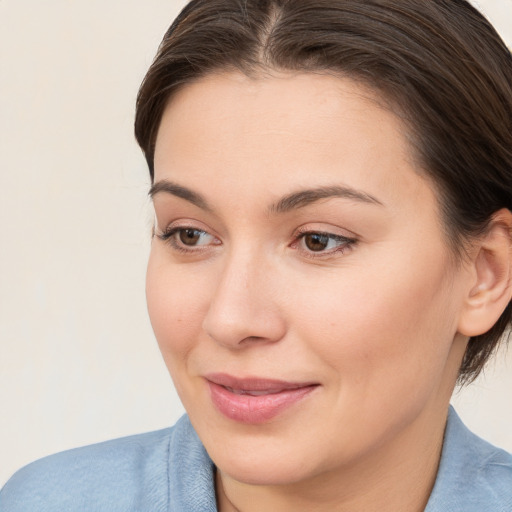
(164, 471)
(493, 474)
(112, 476)
(473, 474)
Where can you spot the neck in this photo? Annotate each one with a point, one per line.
(398, 476)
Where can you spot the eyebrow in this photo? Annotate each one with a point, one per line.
(292, 201)
(304, 198)
(179, 191)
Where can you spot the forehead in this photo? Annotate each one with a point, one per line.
(284, 130)
(282, 102)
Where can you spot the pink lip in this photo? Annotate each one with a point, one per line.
(254, 400)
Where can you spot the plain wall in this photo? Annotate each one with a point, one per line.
(78, 361)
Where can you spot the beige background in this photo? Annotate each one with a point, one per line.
(78, 362)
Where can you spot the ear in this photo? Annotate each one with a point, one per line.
(491, 288)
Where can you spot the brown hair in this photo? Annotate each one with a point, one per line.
(439, 63)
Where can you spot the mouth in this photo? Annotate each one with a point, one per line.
(255, 400)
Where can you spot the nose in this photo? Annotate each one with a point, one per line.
(244, 307)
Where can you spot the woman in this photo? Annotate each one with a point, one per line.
(331, 254)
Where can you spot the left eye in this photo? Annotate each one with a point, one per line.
(323, 242)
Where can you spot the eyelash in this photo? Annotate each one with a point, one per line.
(169, 236)
(346, 243)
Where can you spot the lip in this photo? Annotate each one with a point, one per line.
(255, 400)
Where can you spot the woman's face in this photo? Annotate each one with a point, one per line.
(299, 285)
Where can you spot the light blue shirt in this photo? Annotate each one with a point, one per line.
(170, 471)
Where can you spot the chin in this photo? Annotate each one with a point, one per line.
(265, 460)
(268, 472)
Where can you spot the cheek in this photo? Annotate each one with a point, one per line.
(383, 344)
(176, 307)
(376, 325)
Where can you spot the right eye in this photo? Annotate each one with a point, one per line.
(187, 239)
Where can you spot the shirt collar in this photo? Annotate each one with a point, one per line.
(473, 475)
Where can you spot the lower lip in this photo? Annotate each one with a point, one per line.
(255, 409)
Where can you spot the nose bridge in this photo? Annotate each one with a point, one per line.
(243, 305)
(235, 281)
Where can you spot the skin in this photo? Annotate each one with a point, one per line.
(376, 323)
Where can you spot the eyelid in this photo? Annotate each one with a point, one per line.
(182, 223)
(328, 230)
(348, 241)
(167, 236)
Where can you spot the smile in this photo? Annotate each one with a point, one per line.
(254, 400)
(252, 393)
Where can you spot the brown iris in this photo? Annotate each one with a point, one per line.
(316, 242)
(189, 236)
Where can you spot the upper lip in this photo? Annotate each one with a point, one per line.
(255, 383)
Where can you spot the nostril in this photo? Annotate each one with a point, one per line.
(243, 308)
(243, 330)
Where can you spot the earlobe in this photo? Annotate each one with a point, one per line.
(491, 290)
